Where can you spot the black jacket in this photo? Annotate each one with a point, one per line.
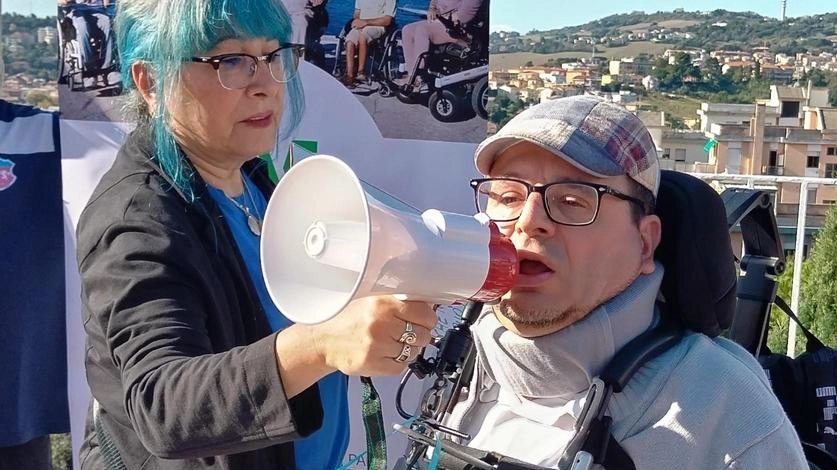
(179, 351)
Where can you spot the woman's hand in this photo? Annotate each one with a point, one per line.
(369, 335)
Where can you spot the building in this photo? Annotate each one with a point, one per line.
(727, 113)
(650, 82)
(630, 66)
(680, 150)
(764, 148)
(791, 101)
(777, 73)
(47, 34)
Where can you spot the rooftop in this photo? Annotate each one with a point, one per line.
(790, 93)
(829, 118)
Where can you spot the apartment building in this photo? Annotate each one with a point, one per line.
(765, 148)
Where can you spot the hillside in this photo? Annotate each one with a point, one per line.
(717, 29)
(501, 61)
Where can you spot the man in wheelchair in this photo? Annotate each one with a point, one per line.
(369, 22)
(574, 183)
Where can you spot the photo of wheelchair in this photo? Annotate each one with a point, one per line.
(451, 78)
(88, 59)
(381, 60)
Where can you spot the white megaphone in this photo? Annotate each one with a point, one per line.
(328, 238)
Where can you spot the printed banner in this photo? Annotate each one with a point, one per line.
(32, 321)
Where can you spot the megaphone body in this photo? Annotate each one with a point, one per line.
(329, 238)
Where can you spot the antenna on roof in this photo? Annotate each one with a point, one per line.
(784, 5)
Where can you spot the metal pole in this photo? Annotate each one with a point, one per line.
(797, 264)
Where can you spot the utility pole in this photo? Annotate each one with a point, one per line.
(784, 5)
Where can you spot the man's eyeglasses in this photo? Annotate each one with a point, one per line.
(236, 71)
(502, 199)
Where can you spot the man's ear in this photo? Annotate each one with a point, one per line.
(650, 232)
(143, 77)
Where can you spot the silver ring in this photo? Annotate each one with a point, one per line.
(409, 336)
(405, 354)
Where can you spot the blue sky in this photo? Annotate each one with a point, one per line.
(524, 15)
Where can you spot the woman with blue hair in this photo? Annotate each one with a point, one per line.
(190, 364)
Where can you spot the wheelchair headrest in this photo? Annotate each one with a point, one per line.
(700, 279)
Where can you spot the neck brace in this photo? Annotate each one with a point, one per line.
(560, 366)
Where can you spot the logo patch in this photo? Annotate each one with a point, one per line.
(7, 174)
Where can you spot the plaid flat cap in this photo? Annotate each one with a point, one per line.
(598, 137)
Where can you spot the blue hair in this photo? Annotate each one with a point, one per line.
(164, 33)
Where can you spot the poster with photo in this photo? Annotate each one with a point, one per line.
(89, 80)
(420, 70)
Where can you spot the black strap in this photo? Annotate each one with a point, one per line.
(109, 451)
(616, 458)
(813, 343)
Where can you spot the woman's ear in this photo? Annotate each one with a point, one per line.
(143, 77)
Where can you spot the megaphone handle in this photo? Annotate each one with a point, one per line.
(471, 312)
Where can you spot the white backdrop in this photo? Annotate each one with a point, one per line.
(426, 174)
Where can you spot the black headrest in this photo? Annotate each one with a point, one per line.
(700, 278)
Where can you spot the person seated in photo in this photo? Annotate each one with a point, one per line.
(369, 22)
(417, 37)
(92, 21)
(573, 182)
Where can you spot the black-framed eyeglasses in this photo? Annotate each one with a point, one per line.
(565, 203)
(236, 71)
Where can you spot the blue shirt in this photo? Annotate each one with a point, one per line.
(324, 449)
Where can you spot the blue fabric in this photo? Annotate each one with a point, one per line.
(324, 449)
(33, 337)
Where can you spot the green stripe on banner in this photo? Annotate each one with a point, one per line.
(298, 150)
(271, 168)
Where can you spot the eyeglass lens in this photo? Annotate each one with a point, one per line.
(237, 71)
(568, 203)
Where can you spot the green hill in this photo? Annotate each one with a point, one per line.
(717, 29)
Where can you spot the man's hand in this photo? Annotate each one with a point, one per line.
(358, 23)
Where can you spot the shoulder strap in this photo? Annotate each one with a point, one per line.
(113, 461)
(813, 343)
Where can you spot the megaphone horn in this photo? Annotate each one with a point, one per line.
(328, 238)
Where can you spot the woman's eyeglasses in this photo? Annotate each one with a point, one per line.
(236, 71)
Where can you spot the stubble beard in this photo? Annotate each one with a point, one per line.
(548, 318)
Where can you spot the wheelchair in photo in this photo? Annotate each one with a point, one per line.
(451, 78)
(380, 54)
(93, 61)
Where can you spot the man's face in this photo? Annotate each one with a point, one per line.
(567, 271)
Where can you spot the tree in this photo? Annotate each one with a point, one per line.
(712, 70)
(818, 295)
